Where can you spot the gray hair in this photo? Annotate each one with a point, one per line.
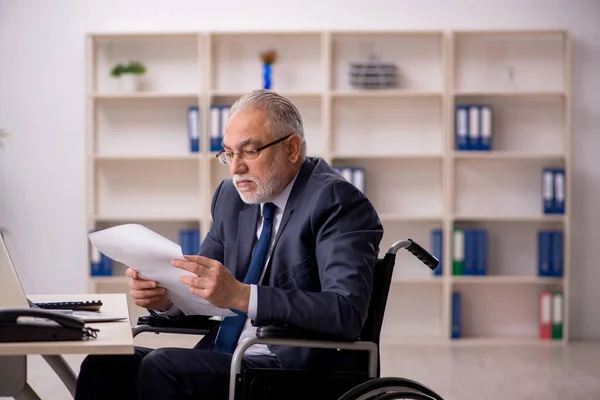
(284, 118)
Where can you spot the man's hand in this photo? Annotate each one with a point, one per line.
(214, 283)
(146, 293)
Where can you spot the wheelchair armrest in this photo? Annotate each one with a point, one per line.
(286, 332)
(182, 322)
(187, 324)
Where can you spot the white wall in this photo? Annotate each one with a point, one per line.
(42, 203)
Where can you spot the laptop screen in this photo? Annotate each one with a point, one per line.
(12, 293)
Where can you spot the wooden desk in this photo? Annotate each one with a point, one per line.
(113, 338)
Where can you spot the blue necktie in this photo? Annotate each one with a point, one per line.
(231, 327)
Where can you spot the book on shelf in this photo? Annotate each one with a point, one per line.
(189, 240)
(354, 175)
(551, 310)
(193, 124)
(218, 122)
(456, 317)
(553, 190)
(550, 253)
(474, 128)
(437, 250)
(470, 252)
(100, 264)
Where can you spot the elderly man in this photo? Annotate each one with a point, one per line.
(292, 243)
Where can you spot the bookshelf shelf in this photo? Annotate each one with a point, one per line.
(504, 341)
(508, 218)
(150, 157)
(146, 95)
(510, 279)
(417, 279)
(140, 167)
(509, 156)
(385, 93)
(293, 95)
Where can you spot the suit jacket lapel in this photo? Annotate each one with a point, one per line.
(295, 195)
(247, 224)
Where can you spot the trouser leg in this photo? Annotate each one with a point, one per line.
(176, 373)
(110, 376)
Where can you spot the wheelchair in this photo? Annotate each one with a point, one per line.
(276, 383)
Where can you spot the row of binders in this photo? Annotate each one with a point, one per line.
(470, 251)
(218, 121)
(101, 265)
(553, 190)
(550, 253)
(474, 128)
(551, 309)
(354, 175)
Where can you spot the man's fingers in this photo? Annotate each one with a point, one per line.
(131, 273)
(148, 293)
(140, 284)
(193, 281)
(204, 261)
(189, 266)
(147, 302)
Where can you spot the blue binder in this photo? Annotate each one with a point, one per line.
(544, 253)
(215, 129)
(194, 128)
(481, 238)
(474, 139)
(437, 246)
(470, 251)
(548, 190)
(462, 127)
(95, 260)
(556, 253)
(559, 190)
(485, 128)
(456, 317)
(106, 266)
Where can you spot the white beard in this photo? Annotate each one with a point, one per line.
(267, 190)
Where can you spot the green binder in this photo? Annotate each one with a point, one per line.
(557, 315)
(458, 253)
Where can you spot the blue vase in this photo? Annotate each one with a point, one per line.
(267, 76)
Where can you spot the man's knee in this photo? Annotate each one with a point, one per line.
(157, 359)
(94, 363)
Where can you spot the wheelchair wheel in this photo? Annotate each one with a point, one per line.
(390, 388)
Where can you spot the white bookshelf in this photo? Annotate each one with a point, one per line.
(140, 168)
(500, 190)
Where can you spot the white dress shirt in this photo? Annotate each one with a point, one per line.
(248, 330)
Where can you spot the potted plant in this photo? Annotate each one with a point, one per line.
(268, 58)
(129, 75)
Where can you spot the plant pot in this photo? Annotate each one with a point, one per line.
(129, 82)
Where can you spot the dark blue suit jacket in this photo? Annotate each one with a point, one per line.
(320, 272)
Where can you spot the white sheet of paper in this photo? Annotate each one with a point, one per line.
(150, 254)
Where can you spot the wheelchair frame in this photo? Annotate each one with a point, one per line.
(409, 386)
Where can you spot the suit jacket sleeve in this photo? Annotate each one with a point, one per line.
(212, 246)
(347, 233)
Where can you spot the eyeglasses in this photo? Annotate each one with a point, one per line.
(225, 157)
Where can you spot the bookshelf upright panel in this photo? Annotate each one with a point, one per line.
(142, 166)
(510, 95)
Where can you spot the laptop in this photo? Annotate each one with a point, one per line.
(12, 293)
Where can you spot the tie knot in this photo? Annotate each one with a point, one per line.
(269, 210)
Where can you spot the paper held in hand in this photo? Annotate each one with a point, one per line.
(150, 254)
